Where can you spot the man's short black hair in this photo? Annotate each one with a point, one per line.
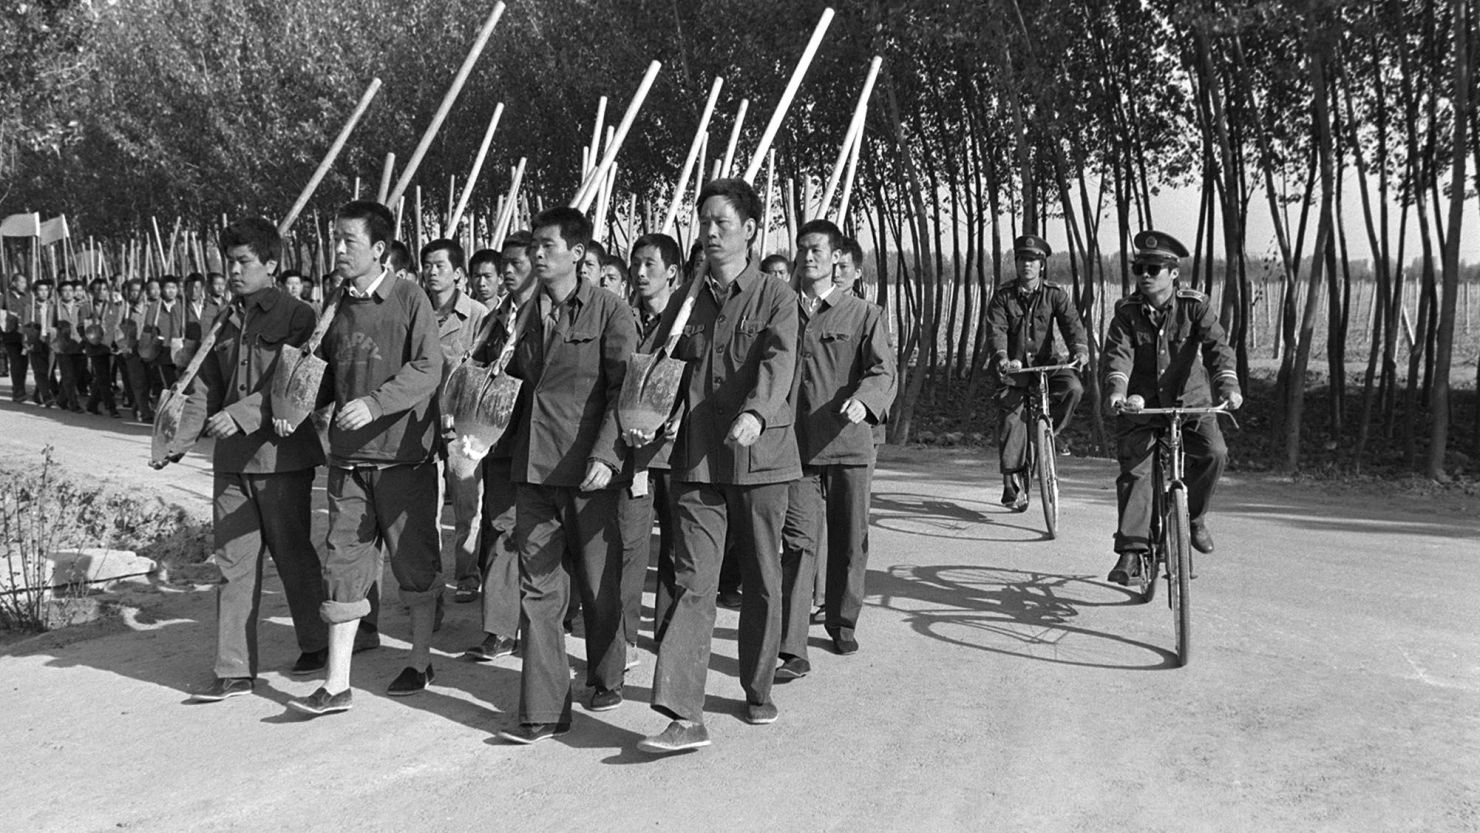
(194, 277)
(595, 248)
(740, 196)
(379, 222)
(398, 257)
(825, 227)
(854, 252)
(521, 239)
(575, 229)
(289, 273)
(616, 263)
(668, 251)
(169, 279)
(453, 249)
(483, 256)
(772, 260)
(92, 284)
(257, 234)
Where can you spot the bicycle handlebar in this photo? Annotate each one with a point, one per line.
(1221, 409)
(1047, 368)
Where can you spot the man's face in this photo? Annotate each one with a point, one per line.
(517, 272)
(780, 271)
(724, 234)
(649, 274)
(248, 275)
(169, 291)
(553, 259)
(354, 255)
(100, 292)
(1029, 270)
(847, 273)
(293, 286)
(151, 291)
(590, 268)
(64, 293)
(194, 291)
(815, 257)
(19, 283)
(42, 292)
(438, 273)
(218, 286)
(612, 281)
(483, 280)
(131, 292)
(1158, 284)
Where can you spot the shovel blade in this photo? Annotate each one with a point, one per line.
(648, 392)
(460, 393)
(176, 428)
(485, 417)
(295, 385)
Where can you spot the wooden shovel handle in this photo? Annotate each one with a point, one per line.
(322, 328)
(682, 319)
(202, 352)
(526, 315)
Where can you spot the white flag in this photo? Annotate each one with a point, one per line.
(54, 230)
(20, 225)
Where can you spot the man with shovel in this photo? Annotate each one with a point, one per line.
(381, 367)
(572, 343)
(263, 482)
(844, 385)
(733, 459)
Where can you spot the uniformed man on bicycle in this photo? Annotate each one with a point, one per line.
(1164, 349)
(1020, 321)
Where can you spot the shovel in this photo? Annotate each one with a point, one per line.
(481, 400)
(651, 386)
(177, 425)
(300, 374)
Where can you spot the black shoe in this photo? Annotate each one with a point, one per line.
(844, 644)
(819, 616)
(309, 662)
(1127, 569)
(527, 733)
(680, 736)
(223, 688)
(466, 592)
(366, 641)
(1202, 539)
(492, 647)
(410, 681)
(758, 714)
(729, 598)
(605, 699)
(794, 668)
(94, 410)
(322, 702)
(1009, 490)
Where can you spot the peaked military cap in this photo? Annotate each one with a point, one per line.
(1156, 245)
(1033, 245)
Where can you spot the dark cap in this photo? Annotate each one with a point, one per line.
(1156, 245)
(1031, 245)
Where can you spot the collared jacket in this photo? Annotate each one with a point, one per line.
(12, 308)
(197, 324)
(1020, 324)
(571, 389)
(384, 349)
(107, 316)
(36, 322)
(843, 354)
(68, 325)
(493, 332)
(1173, 357)
(458, 330)
(236, 378)
(742, 354)
(650, 338)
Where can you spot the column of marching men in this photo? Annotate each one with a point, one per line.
(759, 478)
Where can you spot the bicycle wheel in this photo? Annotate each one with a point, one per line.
(1179, 571)
(1048, 475)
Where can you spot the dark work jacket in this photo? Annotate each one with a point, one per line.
(384, 348)
(12, 308)
(236, 379)
(1177, 358)
(1020, 325)
(488, 342)
(69, 324)
(650, 337)
(570, 393)
(742, 354)
(844, 353)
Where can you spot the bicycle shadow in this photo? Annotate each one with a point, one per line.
(934, 517)
(1015, 613)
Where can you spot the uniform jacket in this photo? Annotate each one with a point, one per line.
(742, 353)
(106, 316)
(570, 392)
(650, 337)
(1178, 357)
(457, 331)
(12, 307)
(166, 323)
(197, 323)
(236, 378)
(1020, 325)
(384, 348)
(843, 353)
(493, 332)
(68, 323)
(36, 321)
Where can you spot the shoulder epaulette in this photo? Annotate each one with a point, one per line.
(1129, 300)
(1055, 285)
(1191, 294)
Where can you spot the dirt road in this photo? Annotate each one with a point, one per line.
(1002, 685)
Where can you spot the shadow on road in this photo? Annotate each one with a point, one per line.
(1030, 615)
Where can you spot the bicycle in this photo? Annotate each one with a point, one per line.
(1171, 527)
(1042, 453)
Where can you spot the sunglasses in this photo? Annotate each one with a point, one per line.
(1152, 269)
